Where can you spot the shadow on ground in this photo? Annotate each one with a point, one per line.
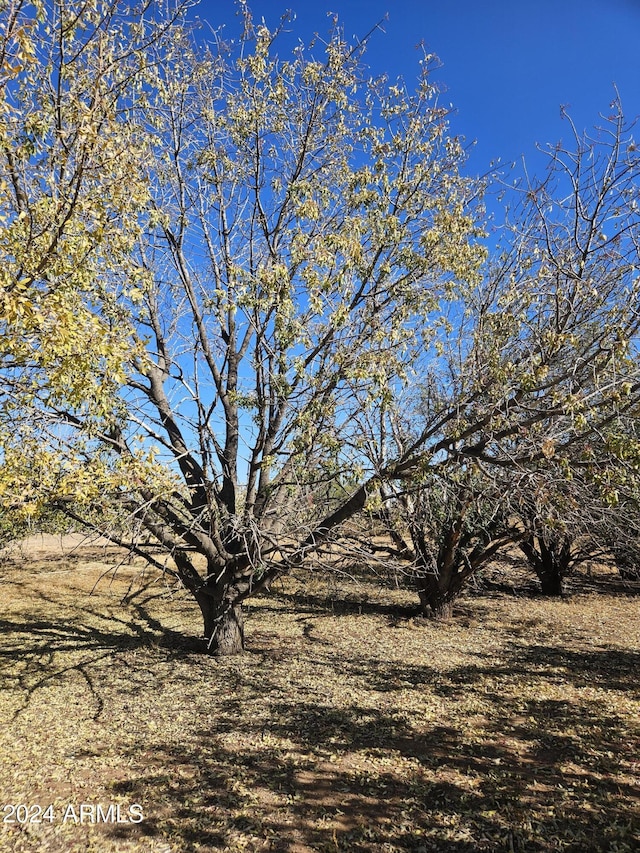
(262, 758)
(542, 781)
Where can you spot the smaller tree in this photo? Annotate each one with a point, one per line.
(551, 554)
(617, 528)
(582, 506)
(626, 555)
(457, 523)
(554, 536)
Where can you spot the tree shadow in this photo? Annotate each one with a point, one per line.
(341, 604)
(300, 798)
(328, 790)
(277, 768)
(609, 669)
(30, 646)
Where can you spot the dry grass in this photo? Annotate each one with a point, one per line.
(514, 727)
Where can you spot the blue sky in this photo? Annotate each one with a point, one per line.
(508, 65)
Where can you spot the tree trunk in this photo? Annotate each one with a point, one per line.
(441, 608)
(435, 601)
(223, 624)
(551, 561)
(551, 581)
(553, 566)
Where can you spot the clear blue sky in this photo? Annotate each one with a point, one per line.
(508, 65)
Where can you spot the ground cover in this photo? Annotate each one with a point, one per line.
(349, 724)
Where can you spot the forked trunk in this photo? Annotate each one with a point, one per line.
(441, 583)
(553, 567)
(223, 625)
(551, 561)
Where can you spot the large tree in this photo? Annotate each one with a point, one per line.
(303, 221)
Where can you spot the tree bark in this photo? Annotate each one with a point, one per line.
(223, 624)
(551, 581)
(441, 608)
(435, 601)
(551, 561)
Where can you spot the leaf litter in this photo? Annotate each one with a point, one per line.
(515, 726)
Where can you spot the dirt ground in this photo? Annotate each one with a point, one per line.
(349, 724)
